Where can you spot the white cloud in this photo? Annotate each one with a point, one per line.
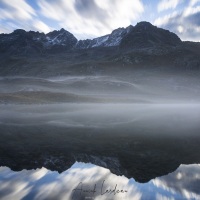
(92, 17)
(20, 15)
(161, 21)
(167, 4)
(193, 2)
(180, 29)
(16, 9)
(185, 24)
(41, 26)
(34, 25)
(190, 11)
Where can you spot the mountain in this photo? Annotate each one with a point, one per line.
(22, 42)
(60, 39)
(59, 52)
(142, 35)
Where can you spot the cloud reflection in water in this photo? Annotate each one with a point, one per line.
(79, 181)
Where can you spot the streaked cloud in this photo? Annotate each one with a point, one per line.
(18, 14)
(167, 4)
(193, 2)
(41, 26)
(92, 17)
(16, 9)
(185, 23)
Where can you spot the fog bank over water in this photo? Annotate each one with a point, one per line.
(136, 87)
(167, 100)
(175, 117)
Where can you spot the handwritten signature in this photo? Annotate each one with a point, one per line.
(80, 190)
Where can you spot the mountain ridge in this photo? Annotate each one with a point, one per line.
(143, 46)
(142, 35)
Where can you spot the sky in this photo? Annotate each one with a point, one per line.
(94, 18)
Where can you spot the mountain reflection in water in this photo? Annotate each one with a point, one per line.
(88, 181)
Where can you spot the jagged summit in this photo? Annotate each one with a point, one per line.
(113, 39)
(61, 37)
(144, 34)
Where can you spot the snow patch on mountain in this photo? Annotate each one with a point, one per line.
(112, 39)
(99, 41)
